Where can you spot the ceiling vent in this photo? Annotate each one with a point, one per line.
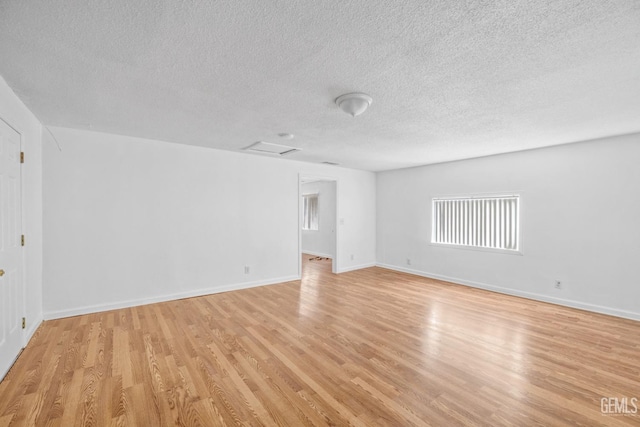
(269, 148)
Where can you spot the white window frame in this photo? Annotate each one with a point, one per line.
(304, 211)
(478, 197)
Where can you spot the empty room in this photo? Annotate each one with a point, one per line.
(337, 213)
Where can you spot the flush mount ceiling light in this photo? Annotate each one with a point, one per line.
(354, 104)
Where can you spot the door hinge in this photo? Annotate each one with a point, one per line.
(22, 157)
(24, 322)
(22, 240)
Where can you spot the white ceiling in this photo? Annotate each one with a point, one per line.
(449, 79)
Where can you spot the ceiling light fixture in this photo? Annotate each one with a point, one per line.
(354, 104)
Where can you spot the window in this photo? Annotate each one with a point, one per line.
(310, 212)
(479, 222)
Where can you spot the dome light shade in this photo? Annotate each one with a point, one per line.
(354, 104)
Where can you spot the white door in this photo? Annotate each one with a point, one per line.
(10, 248)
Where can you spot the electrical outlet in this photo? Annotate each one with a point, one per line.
(351, 257)
(408, 261)
(557, 284)
(247, 269)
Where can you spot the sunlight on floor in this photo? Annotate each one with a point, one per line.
(312, 269)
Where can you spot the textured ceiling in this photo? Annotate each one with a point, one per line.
(449, 79)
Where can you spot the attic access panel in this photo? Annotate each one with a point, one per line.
(269, 148)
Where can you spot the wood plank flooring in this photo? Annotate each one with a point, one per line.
(365, 348)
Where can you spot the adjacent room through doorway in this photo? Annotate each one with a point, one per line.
(318, 239)
(314, 266)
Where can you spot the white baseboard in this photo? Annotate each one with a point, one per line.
(33, 327)
(49, 315)
(356, 267)
(529, 295)
(26, 337)
(317, 254)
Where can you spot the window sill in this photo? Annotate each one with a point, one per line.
(479, 249)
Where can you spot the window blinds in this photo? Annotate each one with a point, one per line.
(488, 222)
(310, 212)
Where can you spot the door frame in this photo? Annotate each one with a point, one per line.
(303, 177)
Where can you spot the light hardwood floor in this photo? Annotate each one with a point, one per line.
(370, 347)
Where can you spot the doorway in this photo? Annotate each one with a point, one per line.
(318, 230)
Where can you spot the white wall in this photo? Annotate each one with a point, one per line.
(14, 112)
(131, 221)
(321, 242)
(580, 223)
